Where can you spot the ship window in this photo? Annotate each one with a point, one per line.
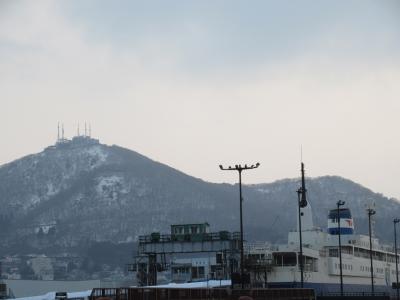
(284, 258)
(219, 258)
(180, 270)
(178, 230)
(310, 263)
(344, 214)
(197, 272)
(333, 252)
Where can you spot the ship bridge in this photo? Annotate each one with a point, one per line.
(289, 257)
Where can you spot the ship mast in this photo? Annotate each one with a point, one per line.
(302, 202)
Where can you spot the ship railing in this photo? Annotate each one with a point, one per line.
(354, 294)
(145, 293)
(280, 265)
(274, 248)
(257, 246)
(308, 268)
(375, 247)
(180, 278)
(191, 237)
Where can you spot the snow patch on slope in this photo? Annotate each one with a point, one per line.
(35, 199)
(263, 191)
(106, 183)
(51, 190)
(98, 153)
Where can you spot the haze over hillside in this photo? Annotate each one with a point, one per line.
(80, 191)
(189, 85)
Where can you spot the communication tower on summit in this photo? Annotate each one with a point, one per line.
(76, 141)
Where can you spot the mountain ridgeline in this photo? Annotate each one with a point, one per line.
(80, 191)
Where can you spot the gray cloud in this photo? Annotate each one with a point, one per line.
(195, 84)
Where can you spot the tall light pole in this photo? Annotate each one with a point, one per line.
(340, 203)
(240, 168)
(302, 202)
(371, 212)
(395, 221)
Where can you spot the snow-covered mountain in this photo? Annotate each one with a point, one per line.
(81, 191)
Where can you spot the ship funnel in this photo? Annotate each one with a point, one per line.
(346, 221)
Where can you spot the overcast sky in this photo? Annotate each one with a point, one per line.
(194, 84)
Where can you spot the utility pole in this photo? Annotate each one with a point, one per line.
(340, 203)
(240, 169)
(371, 212)
(302, 202)
(395, 221)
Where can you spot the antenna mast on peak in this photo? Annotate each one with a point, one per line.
(62, 130)
(58, 131)
(90, 130)
(78, 130)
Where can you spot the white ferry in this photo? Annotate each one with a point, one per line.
(321, 258)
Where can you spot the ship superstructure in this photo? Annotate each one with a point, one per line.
(321, 258)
